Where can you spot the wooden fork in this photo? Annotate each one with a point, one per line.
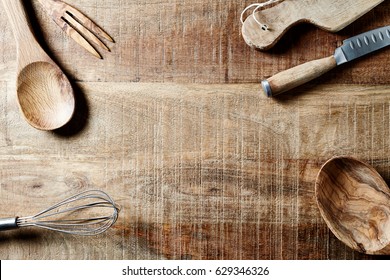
(77, 26)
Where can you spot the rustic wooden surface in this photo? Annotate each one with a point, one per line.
(331, 15)
(172, 124)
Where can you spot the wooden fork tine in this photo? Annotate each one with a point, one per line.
(75, 35)
(88, 23)
(84, 31)
(76, 25)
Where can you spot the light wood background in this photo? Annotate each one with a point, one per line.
(173, 125)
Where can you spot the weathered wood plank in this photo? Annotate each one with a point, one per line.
(194, 42)
(201, 171)
(204, 168)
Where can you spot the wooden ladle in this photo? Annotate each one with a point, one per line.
(44, 93)
(354, 201)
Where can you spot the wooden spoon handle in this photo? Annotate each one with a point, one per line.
(18, 19)
(28, 48)
(297, 76)
(278, 19)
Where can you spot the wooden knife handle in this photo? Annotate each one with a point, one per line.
(297, 76)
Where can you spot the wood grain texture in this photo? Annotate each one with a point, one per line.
(354, 201)
(298, 75)
(173, 126)
(331, 15)
(196, 42)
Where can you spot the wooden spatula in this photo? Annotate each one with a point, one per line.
(330, 15)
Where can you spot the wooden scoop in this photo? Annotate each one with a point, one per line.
(44, 93)
(354, 201)
(330, 15)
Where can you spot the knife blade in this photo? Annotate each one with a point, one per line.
(351, 49)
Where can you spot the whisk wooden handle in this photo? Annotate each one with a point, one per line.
(8, 224)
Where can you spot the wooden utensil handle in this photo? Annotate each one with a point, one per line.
(28, 47)
(18, 19)
(297, 76)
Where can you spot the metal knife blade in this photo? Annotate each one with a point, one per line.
(363, 44)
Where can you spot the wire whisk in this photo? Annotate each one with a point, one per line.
(87, 213)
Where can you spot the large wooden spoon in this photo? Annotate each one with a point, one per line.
(44, 93)
(354, 201)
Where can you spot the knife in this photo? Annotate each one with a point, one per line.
(351, 49)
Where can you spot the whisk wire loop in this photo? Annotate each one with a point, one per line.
(92, 202)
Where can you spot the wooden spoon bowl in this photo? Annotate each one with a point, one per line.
(53, 106)
(354, 201)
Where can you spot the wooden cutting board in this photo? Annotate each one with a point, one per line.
(331, 15)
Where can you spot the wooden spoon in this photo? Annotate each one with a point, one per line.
(44, 93)
(354, 201)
